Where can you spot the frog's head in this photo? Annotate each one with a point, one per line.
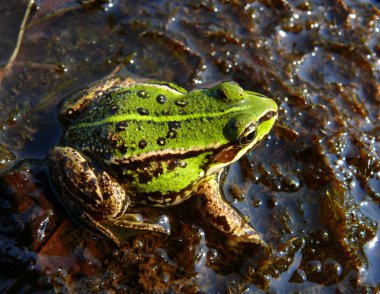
(252, 116)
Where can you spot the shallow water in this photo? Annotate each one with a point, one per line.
(312, 189)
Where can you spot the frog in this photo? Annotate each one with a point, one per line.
(130, 143)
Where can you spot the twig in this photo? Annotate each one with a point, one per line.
(11, 60)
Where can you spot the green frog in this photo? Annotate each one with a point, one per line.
(131, 143)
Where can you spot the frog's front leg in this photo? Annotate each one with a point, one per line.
(223, 216)
(92, 196)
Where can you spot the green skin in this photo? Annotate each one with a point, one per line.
(154, 143)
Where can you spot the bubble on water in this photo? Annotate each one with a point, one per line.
(333, 267)
(299, 276)
(165, 277)
(42, 226)
(314, 266)
(163, 221)
(162, 254)
(212, 255)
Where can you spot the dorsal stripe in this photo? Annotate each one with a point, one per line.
(160, 119)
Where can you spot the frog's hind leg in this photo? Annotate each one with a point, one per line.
(223, 216)
(93, 197)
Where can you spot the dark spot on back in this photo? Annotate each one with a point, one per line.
(114, 109)
(181, 103)
(161, 141)
(142, 144)
(143, 94)
(161, 99)
(123, 149)
(112, 139)
(143, 111)
(173, 125)
(121, 126)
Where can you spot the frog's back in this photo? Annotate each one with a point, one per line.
(142, 119)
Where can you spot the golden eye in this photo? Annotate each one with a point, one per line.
(248, 135)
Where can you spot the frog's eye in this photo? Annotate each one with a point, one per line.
(248, 135)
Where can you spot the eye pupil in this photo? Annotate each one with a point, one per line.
(248, 135)
(251, 136)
